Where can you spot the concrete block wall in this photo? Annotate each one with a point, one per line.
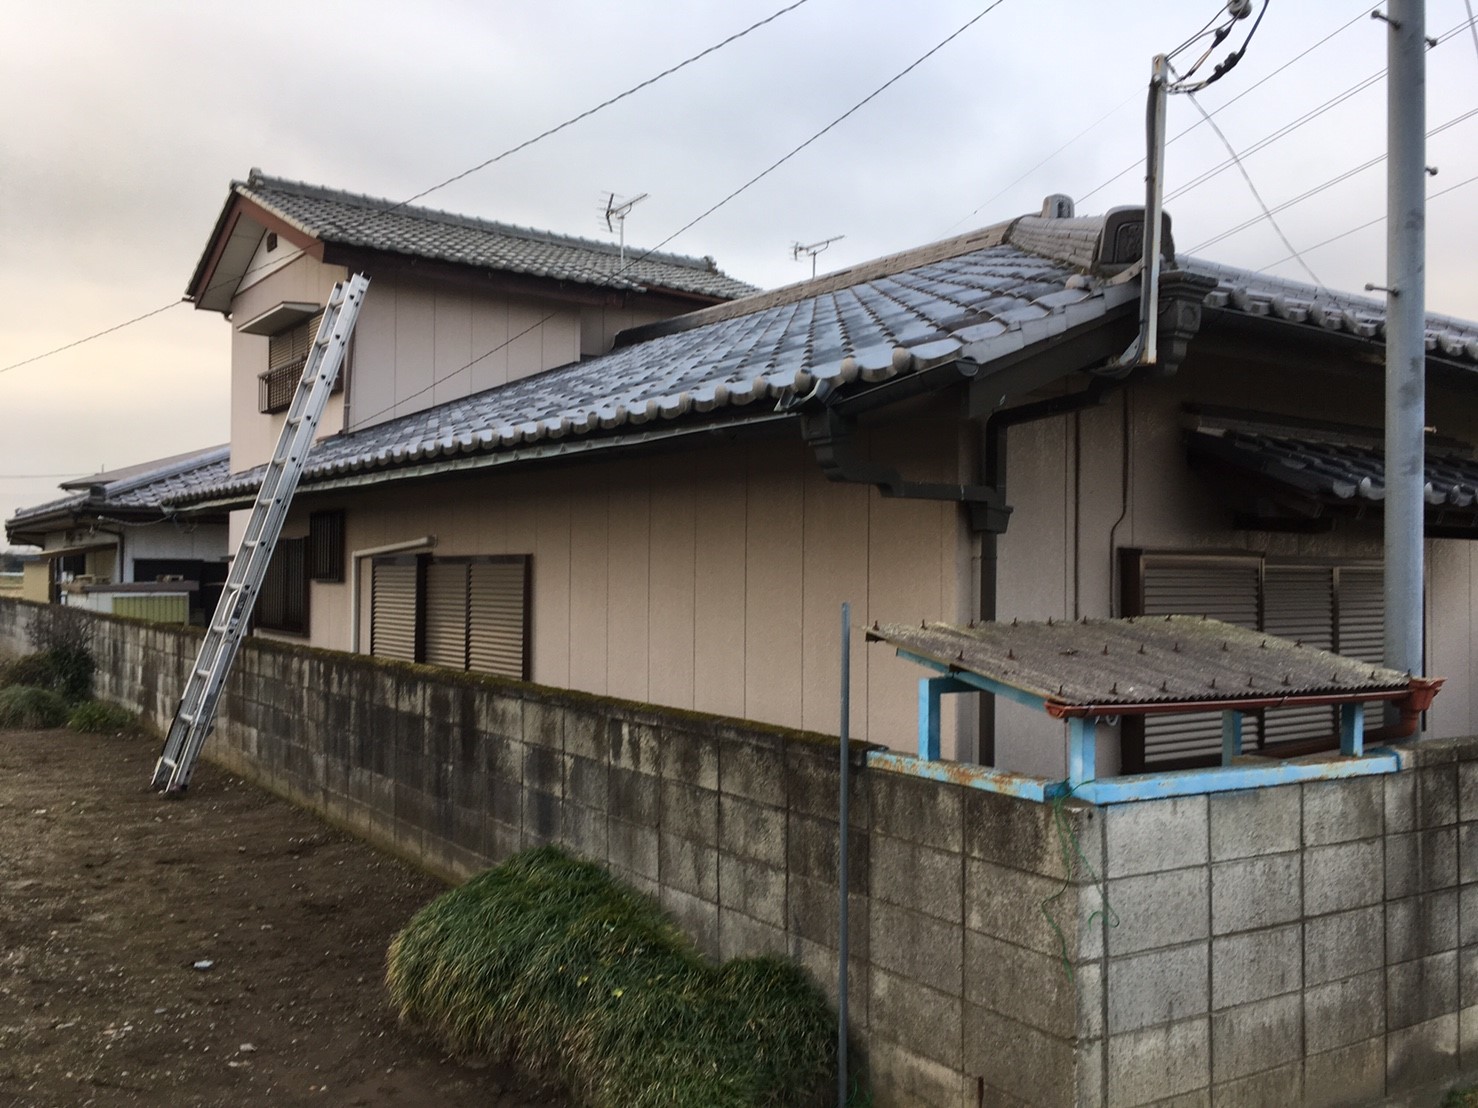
(1308, 944)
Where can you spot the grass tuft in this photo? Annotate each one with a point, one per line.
(551, 963)
(31, 709)
(98, 717)
(64, 670)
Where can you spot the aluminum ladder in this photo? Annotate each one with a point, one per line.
(195, 716)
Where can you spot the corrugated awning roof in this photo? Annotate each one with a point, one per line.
(1147, 664)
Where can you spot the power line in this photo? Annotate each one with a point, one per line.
(1472, 26)
(1368, 223)
(1317, 189)
(427, 192)
(1360, 18)
(761, 175)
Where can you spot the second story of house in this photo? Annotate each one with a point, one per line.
(457, 304)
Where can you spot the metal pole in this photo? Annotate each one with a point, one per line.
(1154, 204)
(1405, 331)
(843, 826)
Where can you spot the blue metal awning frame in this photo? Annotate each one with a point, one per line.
(1082, 781)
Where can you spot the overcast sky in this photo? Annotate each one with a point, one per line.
(121, 126)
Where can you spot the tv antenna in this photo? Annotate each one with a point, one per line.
(810, 250)
(616, 212)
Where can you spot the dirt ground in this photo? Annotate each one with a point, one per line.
(223, 949)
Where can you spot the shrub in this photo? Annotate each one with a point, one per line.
(31, 709)
(551, 963)
(98, 717)
(66, 671)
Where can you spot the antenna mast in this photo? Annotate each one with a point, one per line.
(616, 212)
(810, 250)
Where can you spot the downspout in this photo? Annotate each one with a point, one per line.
(423, 543)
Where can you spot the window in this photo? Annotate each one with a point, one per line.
(1328, 604)
(282, 604)
(326, 546)
(461, 613)
(287, 353)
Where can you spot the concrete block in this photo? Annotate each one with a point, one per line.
(498, 715)
(687, 865)
(587, 782)
(1421, 990)
(543, 818)
(1023, 1062)
(1342, 876)
(634, 746)
(918, 947)
(813, 784)
(633, 847)
(811, 908)
(1341, 811)
(1061, 1000)
(1422, 1054)
(586, 734)
(1255, 1037)
(1467, 978)
(1276, 1088)
(927, 812)
(544, 724)
(691, 757)
(754, 831)
(1467, 1026)
(1344, 944)
(1021, 833)
(1436, 796)
(1254, 965)
(503, 839)
(1154, 835)
(913, 1016)
(820, 962)
(1344, 1012)
(696, 916)
(1420, 861)
(1467, 851)
(1157, 1063)
(1468, 915)
(1467, 791)
(811, 851)
(1161, 986)
(741, 936)
(1022, 908)
(689, 813)
(1421, 925)
(754, 770)
(1400, 801)
(544, 769)
(633, 796)
(1159, 909)
(1349, 1075)
(918, 877)
(1255, 821)
(1254, 893)
(585, 831)
(903, 1077)
(753, 888)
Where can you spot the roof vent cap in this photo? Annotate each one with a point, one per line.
(1057, 206)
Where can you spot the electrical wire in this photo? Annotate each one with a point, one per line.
(288, 258)
(761, 175)
(1367, 224)
(1472, 26)
(1339, 178)
(1228, 63)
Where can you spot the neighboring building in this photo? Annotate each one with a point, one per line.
(113, 544)
(677, 520)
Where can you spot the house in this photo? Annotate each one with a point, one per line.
(114, 544)
(591, 491)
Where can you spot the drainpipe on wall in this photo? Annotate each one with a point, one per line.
(425, 542)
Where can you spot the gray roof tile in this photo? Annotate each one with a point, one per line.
(375, 223)
(146, 486)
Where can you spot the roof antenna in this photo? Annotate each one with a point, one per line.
(616, 212)
(810, 250)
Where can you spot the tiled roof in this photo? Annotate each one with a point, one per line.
(376, 223)
(1338, 472)
(978, 305)
(978, 297)
(150, 485)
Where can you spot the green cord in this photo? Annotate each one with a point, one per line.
(1069, 847)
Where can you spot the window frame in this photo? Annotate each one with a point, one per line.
(280, 576)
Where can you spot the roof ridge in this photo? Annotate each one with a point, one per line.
(259, 180)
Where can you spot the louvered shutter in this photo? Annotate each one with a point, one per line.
(1361, 624)
(446, 614)
(1221, 588)
(498, 617)
(393, 609)
(1298, 604)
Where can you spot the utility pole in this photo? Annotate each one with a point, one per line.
(1406, 354)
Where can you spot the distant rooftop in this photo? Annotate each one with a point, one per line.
(380, 224)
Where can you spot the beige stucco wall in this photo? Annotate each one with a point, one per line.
(1058, 558)
(709, 580)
